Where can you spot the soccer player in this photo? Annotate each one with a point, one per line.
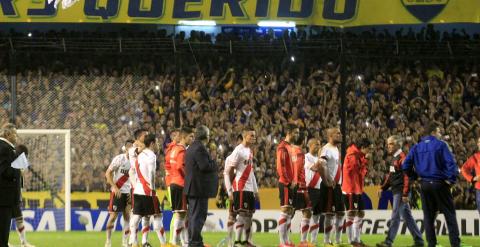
(398, 182)
(301, 198)
(174, 135)
(244, 190)
(177, 172)
(232, 215)
(136, 148)
(330, 189)
(471, 172)
(17, 211)
(117, 176)
(314, 171)
(286, 183)
(145, 201)
(354, 172)
(175, 139)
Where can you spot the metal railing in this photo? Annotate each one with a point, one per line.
(355, 47)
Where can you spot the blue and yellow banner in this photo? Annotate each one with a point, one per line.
(269, 199)
(243, 12)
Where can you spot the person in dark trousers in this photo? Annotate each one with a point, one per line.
(201, 182)
(434, 164)
(398, 182)
(17, 212)
(9, 181)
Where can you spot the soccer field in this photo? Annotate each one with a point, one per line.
(81, 239)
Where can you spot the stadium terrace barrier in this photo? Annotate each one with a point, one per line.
(354, 47)
(232, 12)
(99, 200)
(375, 222)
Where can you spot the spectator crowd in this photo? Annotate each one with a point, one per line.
(102, 102)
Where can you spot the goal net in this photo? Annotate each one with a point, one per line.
(46, 183)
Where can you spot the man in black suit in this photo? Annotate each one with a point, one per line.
(9, 181)
(201, 182)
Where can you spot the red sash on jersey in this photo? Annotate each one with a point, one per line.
(243, 179)
(121, 181)
(144, 183)
(314, 180)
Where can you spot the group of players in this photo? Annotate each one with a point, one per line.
(131, 176)
(316, 183)
(313, 182)
(307, 183)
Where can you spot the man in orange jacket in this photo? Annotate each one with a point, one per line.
(354, 172)
(471, 172)
(177, 182)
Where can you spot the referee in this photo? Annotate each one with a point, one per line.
(432, 161)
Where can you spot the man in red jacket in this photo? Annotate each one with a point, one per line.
(354, 171)
(471, 172)
(175, 138)
(177, 182)
(286, 182)
(301, 198)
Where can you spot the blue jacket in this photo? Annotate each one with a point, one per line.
(432, 160)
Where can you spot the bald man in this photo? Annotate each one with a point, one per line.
(330, 188)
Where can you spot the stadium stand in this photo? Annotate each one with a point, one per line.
(389, 90)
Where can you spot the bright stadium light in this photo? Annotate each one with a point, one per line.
(276, 24)
(197, 23)
(29, 34)
(292, 58)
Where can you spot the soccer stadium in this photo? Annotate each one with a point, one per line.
(239, 123)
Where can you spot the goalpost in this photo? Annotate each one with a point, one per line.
(43, 145)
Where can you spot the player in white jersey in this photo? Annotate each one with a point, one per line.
(314, 171)
(330, 188)
(120, 197)
(243, 191)
(145, 202)
(136, 148)
(232, 215)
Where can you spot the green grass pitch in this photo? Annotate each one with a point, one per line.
(92, 239)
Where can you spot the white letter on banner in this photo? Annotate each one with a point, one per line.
(47, 220)
(102, 218)
(65, 3)
(28, 214)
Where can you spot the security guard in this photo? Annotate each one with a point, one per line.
(434, 164)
